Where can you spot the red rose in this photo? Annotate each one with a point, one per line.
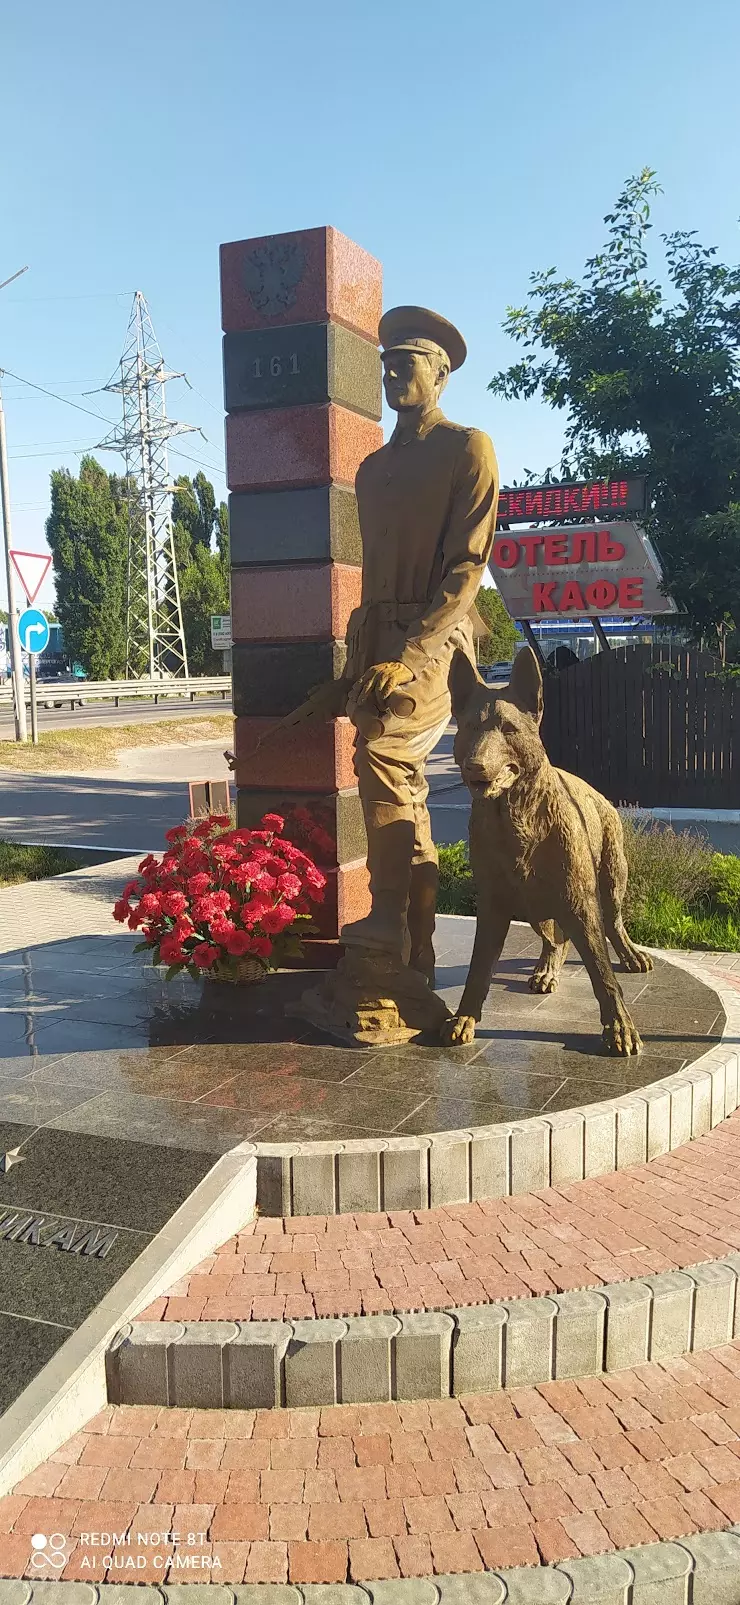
(150, 904)
(121, 910)
(176, 834)
(205, 956)
(198, 884)
(289, 885)
(276, 919)
(239, 943)
(262, 946)
(221, 929)
(171, 951)
(221, 900)
(174, 903)
(273, 822)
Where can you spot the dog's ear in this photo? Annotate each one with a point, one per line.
(525, 684)
(463, 681)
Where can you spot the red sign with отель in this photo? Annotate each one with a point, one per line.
(579, 571)
(590, 498)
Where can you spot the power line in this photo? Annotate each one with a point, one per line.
(65, 399)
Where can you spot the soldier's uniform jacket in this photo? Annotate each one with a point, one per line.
(427, 511)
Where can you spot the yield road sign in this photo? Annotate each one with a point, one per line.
(33, 630)
(32, 569)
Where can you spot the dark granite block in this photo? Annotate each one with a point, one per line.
(46, 1283)
(271, 680)
(331, 828)
(308, 362)
(319, 525)
(96, 1178)
(25, 1347)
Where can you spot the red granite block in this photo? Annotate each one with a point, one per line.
(347, 898)
(306, 602)
(287, 447)
(307, 276)
(309, 757)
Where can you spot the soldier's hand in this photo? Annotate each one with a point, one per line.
(377, 684)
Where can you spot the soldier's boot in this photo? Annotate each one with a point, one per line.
(390, 847)
(421, 917)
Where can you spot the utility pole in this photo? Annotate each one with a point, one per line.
(155, 638)
(16, 659)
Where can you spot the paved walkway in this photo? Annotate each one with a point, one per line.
(532, 1476)
(679, 1210)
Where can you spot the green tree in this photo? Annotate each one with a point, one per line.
(499, 644)
(87, 531)
(650, 380)
(204, 589)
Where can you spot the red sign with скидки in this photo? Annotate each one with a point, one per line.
(579, 571)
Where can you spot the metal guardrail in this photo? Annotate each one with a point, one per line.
(117, 691)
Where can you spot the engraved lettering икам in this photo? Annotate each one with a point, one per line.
(271, 276)
(75, 1237)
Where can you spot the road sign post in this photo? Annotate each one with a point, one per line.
(33, 633)
(16, 664)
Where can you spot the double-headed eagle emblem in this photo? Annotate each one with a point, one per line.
(271, 274)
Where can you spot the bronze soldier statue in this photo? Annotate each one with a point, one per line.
(427, 507)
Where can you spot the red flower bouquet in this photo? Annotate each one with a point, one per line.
(225, 902)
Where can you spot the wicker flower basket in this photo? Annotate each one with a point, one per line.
(242, 972)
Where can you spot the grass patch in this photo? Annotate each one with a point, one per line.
(18, 863)
(680, 894)
(98, 746)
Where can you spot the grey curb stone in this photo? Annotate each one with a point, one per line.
(120, 1594)
(716, 1560)
(365, 1359)
(448, 1168)
(567, 1151)
(76, 1593)
(195, 1365)
(404, 1174)
(358, 1178)
(477, 1588)
(502, 1161)
(672, 1309)
(253, 1366)
(714, 1305)
(311, 1362)
(478, 1348)
(599, 1580)
(536, 1585)
(530, 1156)
(406, 1591)
(579, 1334)
(529, 1342)
(629, 1306)
(15, 1592)
(661, 1573)
(262, 1594)
(333, 1594)
(422, 1355)
(199, 1594)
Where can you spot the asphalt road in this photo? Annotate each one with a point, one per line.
(129, 809)
(137, 711)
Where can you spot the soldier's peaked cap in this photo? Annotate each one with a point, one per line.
(418, 329)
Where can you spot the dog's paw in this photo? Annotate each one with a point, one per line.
(458, 1029)
(621, 1036)
(637, 961)
(543, 981)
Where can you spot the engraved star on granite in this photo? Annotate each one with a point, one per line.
(11, 1158)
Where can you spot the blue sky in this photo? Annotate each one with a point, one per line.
(463, 145)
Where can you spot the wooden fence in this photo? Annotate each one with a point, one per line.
(648, 725)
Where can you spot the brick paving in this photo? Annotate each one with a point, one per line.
(679, 1210)
(528, 1477)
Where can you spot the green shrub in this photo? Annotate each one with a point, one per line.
(725, 887)
(665, 862)
(680, 894)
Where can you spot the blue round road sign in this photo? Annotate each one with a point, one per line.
(33, 630)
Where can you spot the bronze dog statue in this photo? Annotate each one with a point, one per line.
(544, 847)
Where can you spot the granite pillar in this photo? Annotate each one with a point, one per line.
(302, 385)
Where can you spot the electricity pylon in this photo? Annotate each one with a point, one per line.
(155, 639)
